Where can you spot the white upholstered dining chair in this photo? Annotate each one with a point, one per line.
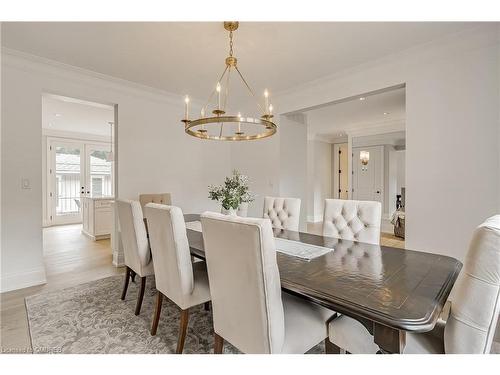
(161, 198)
(469, 319)
(135, 246)
(284, 213)
(249, 309)
(352, 220)
(177, 278)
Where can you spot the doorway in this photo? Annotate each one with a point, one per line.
(340, 171)
(364, 137)
(78, 185)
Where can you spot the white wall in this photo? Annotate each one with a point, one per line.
(259, 160)
(452, 141)
(154, 154)
(319, 186)
(293, 162)
(400, 157)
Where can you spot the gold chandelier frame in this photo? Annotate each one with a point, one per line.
(196, 127)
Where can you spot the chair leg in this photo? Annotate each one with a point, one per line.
(125, 284)
(132, 275)
(182, 331)
(218, 344)
(207, 306)
(156, 314)
(140, 296)
(331, 348)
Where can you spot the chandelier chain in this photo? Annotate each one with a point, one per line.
(231, 44)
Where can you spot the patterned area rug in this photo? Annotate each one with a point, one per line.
(91, 318)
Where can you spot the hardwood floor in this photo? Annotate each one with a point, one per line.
(386, 239)
(70, 259)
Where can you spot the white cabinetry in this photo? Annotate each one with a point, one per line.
(97, 217)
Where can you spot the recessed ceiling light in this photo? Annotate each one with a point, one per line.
(57, 115)
(362, 98)
(386, 113)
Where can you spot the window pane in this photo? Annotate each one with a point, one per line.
(100, 173)
(68, 180)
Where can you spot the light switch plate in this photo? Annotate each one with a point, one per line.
(25, 183)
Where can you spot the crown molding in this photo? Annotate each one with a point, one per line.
(465, 40)
(33, 63)
(363, 129)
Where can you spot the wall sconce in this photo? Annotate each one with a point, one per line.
(364, 156)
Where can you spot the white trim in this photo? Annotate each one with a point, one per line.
(23, 280)
(314, 218)
(63, 134)
(363, 129)
(29, 62)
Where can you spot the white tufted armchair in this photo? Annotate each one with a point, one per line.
(469, 319)
(284, 213)
(352, 220)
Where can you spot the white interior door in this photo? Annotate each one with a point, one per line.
(66, 174)
(340, 171)
(368, 173)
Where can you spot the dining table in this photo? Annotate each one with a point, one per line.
(391, 291)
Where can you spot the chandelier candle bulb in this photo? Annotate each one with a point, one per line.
(186, 114)
(218, 95)
(266, 98)
(270, 109)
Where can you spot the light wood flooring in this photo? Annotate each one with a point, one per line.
(70, 259)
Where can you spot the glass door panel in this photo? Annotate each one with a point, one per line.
(99, 176)
(66, 173)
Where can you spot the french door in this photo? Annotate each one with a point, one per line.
(76, 170)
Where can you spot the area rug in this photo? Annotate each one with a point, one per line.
(91, 318)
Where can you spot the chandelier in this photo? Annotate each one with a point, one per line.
(221, 126)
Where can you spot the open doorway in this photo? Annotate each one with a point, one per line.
(78, 161)
(356, 148)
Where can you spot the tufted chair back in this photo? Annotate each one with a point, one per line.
(476, 303)
(244, 282)
(170, 249)
(133, 235)
(352, 220)
(162, 198)
(284, 213)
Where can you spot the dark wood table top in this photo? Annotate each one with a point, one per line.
(401, 289)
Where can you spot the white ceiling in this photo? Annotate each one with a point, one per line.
(69, 115)
(185, 57)
(335, 120)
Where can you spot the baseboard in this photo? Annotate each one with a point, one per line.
(314, 219)
(118, 259)
(22, 280)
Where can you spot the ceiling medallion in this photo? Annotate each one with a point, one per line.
(224, 127)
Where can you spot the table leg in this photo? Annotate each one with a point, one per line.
(389, 340)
